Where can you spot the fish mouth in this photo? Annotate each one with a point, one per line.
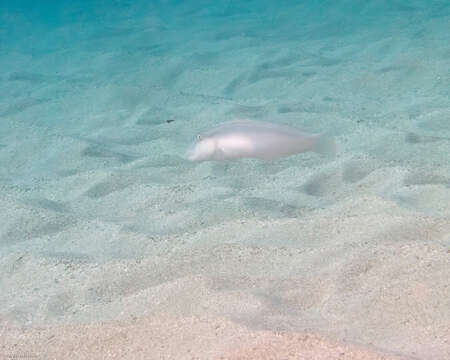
(194, 158)
(190, 153)
(190, 157)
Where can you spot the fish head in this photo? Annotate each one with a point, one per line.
(203, 149)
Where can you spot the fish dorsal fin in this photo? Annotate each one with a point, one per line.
(235, 124)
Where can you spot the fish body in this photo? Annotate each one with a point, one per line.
(256, 139)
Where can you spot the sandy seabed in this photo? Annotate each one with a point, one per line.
(176, 338)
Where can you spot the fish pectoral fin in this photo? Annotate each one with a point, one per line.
(219, 154)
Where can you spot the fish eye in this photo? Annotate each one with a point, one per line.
(199, 137)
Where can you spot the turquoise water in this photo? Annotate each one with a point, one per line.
(100, 100)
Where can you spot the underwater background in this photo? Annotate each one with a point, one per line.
(102, 218)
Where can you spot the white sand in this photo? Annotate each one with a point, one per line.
(180, 338)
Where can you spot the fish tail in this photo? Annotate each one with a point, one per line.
(325, 145)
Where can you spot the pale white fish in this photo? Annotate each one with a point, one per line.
(256, 139)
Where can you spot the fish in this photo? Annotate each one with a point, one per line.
(238, 139)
